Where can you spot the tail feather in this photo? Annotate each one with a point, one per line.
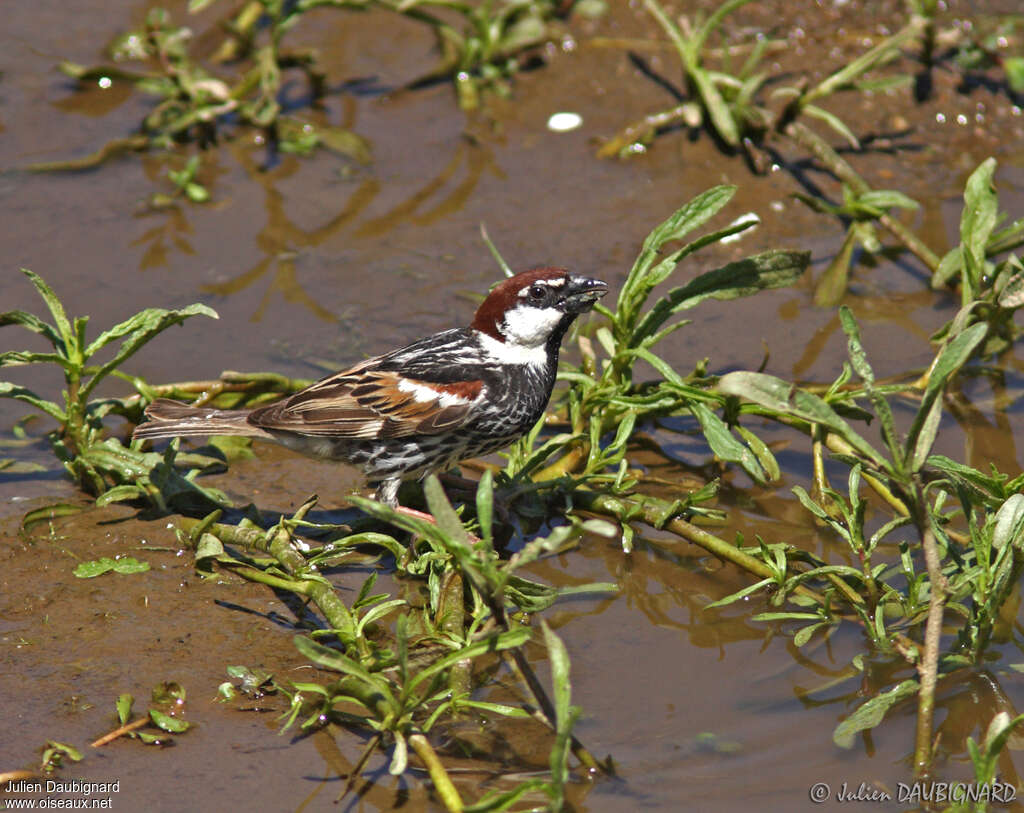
(170, 419)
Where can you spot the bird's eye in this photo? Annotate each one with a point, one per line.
(537, 291)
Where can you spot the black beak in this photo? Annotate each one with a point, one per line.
(582, 292)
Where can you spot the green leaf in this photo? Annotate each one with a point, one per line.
(485, 506)
(787, 399)
(565, 714)
(509, 639)
(831, 286)
(989, 490)
(810, 504)
(345, 142)
(137, 330)
(8, 390)
(60, 318)
(950, 359)
(1009, 519)
(1013, 66)
(746, 591)
(881, 200)
(835, 123)
(169, 724)
(16, 358)
(685, 219)
(498, 800)
(977, 221)
(771, 269)
(333, 659)
(447, 520)
(120, 494)
(804, 634)
(949, 266)
(859, 361)
(197, 193)
(124, 707)
(786, 616)
(129, 564)
(97, 567)
(35, 324)
(724, 445)
(871, 713)
(885, 51)
(762, 452)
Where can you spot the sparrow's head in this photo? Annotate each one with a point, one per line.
(534, 308)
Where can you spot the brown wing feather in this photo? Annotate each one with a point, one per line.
(363, 403)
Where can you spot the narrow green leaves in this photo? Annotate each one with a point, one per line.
(871, 713)
(977, 221)
(650, 270)
(859, 361)
(60, 318)
(926, 422)
(97, 465)
(137, 331)
(725, 446)
(565, 714)
(771, 269)
(123, 565)
(789, 400)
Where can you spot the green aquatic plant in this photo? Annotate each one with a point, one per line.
(991, 281)
(483, 43)
(196, 105)
(165, 715)
(968, 572)
(94, 463)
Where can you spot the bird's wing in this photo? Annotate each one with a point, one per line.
(364, 402)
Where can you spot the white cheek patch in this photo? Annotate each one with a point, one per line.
(427, 395)
(530, 327)
(511, 353)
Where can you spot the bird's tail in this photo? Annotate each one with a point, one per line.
(170, 419)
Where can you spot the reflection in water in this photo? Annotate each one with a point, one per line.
(476, 157)
(93, 100)
(881, 311)
(173, 228)
(989, 434)
(282, 239)
(971, 699)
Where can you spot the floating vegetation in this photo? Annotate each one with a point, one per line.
(731, 103)
(483, 44)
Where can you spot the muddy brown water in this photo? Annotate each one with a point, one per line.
(319, 260)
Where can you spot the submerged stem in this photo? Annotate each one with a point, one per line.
(928, 667)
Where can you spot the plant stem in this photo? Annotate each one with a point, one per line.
(625, 509)
(452, 619)
(442, 782)
(280, 546)
(803, 136)
(928, 667)
(127, 728)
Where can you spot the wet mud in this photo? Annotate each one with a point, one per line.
(315, 262)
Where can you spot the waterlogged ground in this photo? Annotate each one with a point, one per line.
(322, 261)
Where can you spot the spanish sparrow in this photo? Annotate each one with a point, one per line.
(457, 394)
